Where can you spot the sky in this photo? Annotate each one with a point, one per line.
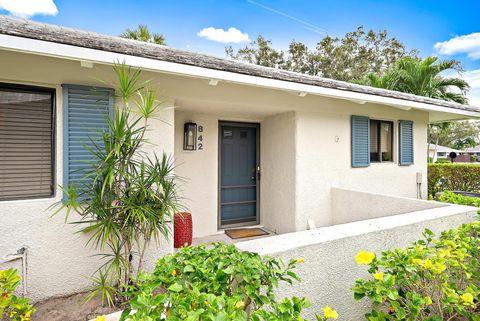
(448, 29)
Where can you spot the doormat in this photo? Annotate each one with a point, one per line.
(241, 233)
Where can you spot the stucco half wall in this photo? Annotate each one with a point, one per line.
(351, 206)
(330, 271)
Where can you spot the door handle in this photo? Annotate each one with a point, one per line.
(258, 172)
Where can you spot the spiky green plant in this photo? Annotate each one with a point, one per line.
(127, 197)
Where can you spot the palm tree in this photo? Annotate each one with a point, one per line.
(423, 78)
(143, 34)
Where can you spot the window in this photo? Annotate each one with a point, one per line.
(372, 141)
(381, 141)
(26, 142)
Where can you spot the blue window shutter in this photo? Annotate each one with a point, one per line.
(405, 134)
(360, 141)
(85, 116)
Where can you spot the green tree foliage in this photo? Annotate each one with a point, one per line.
(143, 34)
(348, 58)
(460, 134)
(422, 77)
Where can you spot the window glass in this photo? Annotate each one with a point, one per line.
(386, 140)
(381, 141)
(26, 143)
(374, 141)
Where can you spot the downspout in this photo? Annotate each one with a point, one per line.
(20, 255)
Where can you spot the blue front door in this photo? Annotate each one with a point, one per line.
(238, 173)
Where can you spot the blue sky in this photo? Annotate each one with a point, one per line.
(453, 25)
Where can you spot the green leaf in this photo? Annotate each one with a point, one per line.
(175, 288)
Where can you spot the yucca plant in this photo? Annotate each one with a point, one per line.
(127, 197)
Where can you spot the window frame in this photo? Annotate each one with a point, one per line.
(53, 94)
(379, 142)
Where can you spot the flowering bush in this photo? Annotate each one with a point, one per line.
(12, 307)
(218, 283)
(433, 280)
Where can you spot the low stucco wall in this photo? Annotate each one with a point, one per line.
(330, 271)
(351, 206)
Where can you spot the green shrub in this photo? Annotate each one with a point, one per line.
(450, 197)
(432, 280)
(12, 307)
(453, 177)
(218, 283)
(443, 161)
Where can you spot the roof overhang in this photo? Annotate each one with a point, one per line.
(88, 55)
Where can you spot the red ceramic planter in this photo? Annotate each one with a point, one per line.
(182, 229)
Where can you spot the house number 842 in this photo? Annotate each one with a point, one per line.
(200, 138)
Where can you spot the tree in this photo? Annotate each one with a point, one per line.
(461, 134)
(143, 34)
(348, 58)
(423, 77)
(260, 53)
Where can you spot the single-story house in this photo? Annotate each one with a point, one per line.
(441, 151)
(473, 151)
(271, 145)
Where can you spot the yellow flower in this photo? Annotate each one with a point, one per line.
(329, 313)
(378, 276)
(174, 273)
(240, 305)
(100, 318)
(364, 257)
(428, 300)
(428, 264)
(467, 298)
(26, 316)
(300, 260)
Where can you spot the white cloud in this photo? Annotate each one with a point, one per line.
(28, 8)
(467, 44)
(473, 78)
(232, 35)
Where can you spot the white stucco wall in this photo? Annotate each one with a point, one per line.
(278, 184)
(350, 206)
(330, 270)
(323, 159)
(198, 170)
(58, 262)
(303, 155)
